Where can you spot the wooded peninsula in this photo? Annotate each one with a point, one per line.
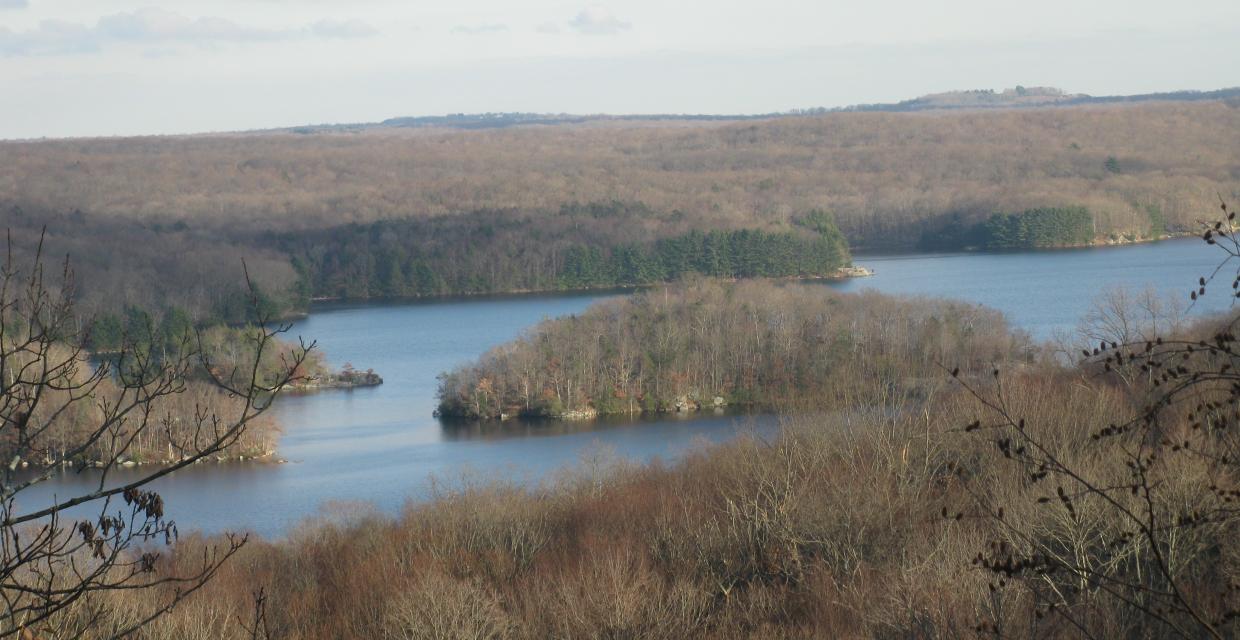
(704, 343)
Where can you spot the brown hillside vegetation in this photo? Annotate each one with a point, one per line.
(884, 176)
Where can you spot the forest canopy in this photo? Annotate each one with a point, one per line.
(878, 173)
(165, 224)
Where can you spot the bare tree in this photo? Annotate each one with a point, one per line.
(57, 572)
(1143, 509)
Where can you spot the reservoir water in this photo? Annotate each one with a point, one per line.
(381, 446)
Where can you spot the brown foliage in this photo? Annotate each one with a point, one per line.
(1127, 524)
(883, 175)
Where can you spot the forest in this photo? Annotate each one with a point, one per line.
(705, 343)
(164, 224)
(880, 174)
(167, 279)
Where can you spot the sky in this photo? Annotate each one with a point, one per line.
(119, 67)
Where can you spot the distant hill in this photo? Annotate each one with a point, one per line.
(1016, 97)
(1027, 97)
(469, 121)
(978, 99)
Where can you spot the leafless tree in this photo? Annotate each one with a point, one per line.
(1145, 505)
(58, 571)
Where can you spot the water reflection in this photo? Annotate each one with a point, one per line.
(457, 429)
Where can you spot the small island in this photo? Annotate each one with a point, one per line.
(347, 378)
(220, 349)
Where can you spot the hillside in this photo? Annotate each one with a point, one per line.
(1022, 97)
(287, 203)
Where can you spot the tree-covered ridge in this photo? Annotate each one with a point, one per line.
(707, 343)
(880, 174)
(602, 244)
(1039, 228)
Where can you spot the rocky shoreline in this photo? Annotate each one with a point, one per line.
(853, 272)
(127, 462)
(684, 404)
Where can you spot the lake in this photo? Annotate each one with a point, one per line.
(381, 446)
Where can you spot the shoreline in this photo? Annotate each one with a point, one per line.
(1097, 243)
(334, 382)
(267, 457)
(683, 406)
(842, 273)
(590, 415)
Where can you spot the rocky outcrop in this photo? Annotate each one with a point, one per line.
(586, 413)
(853, 272)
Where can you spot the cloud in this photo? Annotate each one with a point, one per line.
(153, 25)
(343, 29)
(479, 29)
(548, 27)
(598, 21)
(161, 28)
(51, 37)
(14, 4)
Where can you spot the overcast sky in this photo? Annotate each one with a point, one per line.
(117, 67)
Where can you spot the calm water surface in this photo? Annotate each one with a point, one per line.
(381, 446)
(1046, 292)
